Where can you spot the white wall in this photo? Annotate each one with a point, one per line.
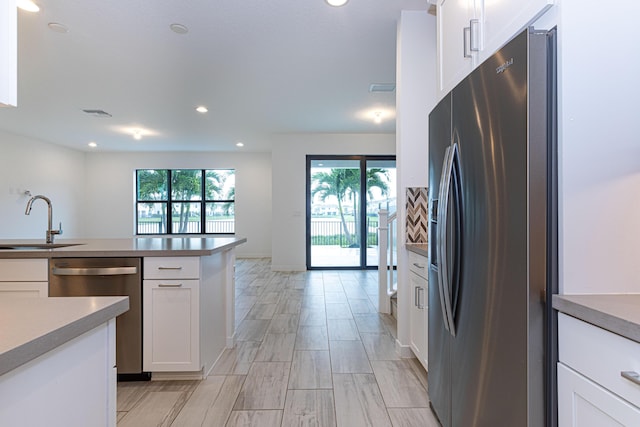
(289, 192)
(42, 168)
(110, 181)
(599, 136)
(416, 97)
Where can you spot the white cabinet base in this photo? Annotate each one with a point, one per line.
(583, 403)
(73, 385)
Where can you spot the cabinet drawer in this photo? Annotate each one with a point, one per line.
(24, 270)
(171, 267)
(419, 265)
(599, 355)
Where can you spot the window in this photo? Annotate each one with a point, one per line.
(185, 201)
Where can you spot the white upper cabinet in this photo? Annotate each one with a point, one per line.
(470, 31)
(8, 53)
(458, 40)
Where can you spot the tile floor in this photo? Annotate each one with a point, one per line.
(311, 351)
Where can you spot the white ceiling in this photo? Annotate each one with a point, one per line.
(260, 66)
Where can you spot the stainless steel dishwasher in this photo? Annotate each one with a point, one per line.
(75, 277)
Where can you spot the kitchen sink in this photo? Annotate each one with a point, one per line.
(33, 246)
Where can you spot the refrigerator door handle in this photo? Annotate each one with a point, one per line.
(443, 268)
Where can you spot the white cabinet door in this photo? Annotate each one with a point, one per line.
(455, 57)
(418, 317)
(584, 403)
(24, 289)
(505, 19)
(171, 325)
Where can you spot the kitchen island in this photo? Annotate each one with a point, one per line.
(188, 293)
(57, 358)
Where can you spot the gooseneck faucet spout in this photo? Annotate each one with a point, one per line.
(50, 231)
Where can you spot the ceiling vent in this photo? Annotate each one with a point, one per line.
(97, 113)
(382, 87)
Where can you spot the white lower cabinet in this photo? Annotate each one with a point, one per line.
(171, 321)
(592, 388)
(419, 312)
(24, 277)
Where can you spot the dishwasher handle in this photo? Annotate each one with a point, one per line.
(94, 271)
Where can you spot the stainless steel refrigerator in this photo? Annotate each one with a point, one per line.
(492, 222)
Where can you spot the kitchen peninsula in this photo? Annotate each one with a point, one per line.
(187, 292)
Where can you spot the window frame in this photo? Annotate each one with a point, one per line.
(169, 202)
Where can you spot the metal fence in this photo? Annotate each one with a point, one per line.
(193, 227)
(331, 232)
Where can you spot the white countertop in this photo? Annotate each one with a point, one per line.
(30, 327)
(133, 247)
(617, 313)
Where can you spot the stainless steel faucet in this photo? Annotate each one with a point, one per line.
(50, 231)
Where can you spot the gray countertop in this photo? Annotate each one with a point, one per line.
(419, 248)
(30, 327)
(617, 313)
(133, 247)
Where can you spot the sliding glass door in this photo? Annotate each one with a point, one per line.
(344, 195)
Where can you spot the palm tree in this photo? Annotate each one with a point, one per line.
(344, 184)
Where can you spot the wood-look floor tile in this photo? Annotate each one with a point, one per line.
(310, 370)
(349, 357)
(276, 348)
(358, 401)
(270, 297)
(262, 311)
(313, 317)
(289, 305)
(265, 386)
(283, 324)
(335, 297)
(379, 346)
(342, 329)
(203, 398)
(361, 306)
(312, 338)
(255, 419)
(309, 408)
(219, 411)
(400, 386)
(370, 323)
(156, 408)
(237, 360)
(338, 311)
(252, 329)
(412, 417)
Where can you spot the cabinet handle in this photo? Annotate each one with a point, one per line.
(169, 268)
(170, 285)
(632, 376)
(418, 265)
(420, 303)
(466, 33)
(473, 35)
(415, 296)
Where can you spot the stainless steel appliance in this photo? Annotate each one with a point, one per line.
(492, 236)
(71, 277)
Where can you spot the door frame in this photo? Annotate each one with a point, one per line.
(363, 159)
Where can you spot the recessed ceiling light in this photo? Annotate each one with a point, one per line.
(239, 144)
(202, 109)
(179, 28)
(137, 134)
(27, 5)
(377, 117)
(336, 3)
(92, 144)
(57, 27)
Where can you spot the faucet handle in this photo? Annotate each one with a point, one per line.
(59, 230)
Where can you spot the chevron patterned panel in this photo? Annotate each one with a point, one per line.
(417, 214)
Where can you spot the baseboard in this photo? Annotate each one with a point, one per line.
(404, 351)
(173, 376)
(286, 268)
